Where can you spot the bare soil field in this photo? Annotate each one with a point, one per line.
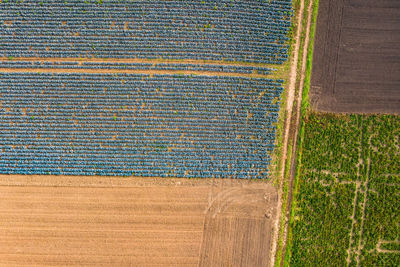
(356, 63)
(61, 220)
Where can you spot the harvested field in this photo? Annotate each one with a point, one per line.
(356, 64)
(49, 220)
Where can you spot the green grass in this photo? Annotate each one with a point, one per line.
(285, 191)
(306, 89)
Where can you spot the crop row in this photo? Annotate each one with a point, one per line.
(223, 30)
(136, 124)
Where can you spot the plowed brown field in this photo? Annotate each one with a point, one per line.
(55, 220)
(356, 63)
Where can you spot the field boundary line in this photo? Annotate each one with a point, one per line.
(143, 60)
(364, 190)
(353, 223)
(17, 180)
(127, 71)
(102, 230)
(327, 172)
(209, 201)
(364, 204)
(357, 193)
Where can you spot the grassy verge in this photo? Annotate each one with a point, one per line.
(282, 219)
(306, 89)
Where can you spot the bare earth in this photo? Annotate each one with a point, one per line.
(62, 220)
(356, 63)
(129, 71)
(138, 60)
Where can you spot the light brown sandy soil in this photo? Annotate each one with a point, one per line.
(62, 220)
(150, 72)
(238, 227)
(138, 60)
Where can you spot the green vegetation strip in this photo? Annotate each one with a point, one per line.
(306, 89)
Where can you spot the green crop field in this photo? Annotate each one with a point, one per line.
(347, 192)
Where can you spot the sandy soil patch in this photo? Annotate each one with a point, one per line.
(57, 220)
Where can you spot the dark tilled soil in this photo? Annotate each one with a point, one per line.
(356, 63)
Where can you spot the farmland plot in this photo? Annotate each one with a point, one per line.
(348, 201)
(52, 220)
(139, 89)
(356, 62)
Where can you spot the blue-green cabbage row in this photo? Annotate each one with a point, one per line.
(252, 31)
(137, 124)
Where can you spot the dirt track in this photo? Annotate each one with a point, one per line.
(295, 128)
(128, 71)
(55, 220)
(139, 60)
